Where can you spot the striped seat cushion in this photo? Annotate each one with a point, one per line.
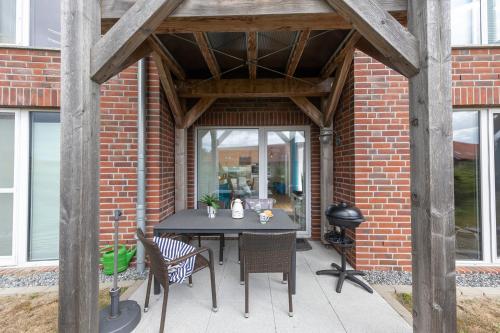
(173, 249)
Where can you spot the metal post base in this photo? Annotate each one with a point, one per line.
(344, 274)
(128, 318)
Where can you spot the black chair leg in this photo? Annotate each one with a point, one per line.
(290, 304)
(246, 295)
(190, 280)
(148, 292)
(164, 310)
(212, 280)
(199, 240)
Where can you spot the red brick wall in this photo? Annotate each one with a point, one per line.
(259, 112)
(30, 79)
(381, 149)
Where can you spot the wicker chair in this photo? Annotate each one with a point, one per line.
(267, 253)
(158, 269)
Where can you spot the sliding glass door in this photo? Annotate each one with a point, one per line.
(229, 164)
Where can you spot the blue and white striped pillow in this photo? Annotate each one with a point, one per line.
(173, 249)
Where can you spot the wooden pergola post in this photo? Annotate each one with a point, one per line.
(79, 213)
(431, 140)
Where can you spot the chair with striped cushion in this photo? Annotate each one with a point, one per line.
(159, 269)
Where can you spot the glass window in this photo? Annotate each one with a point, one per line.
(8, 21)
(465, 22)
(496, 136)
(467, 185)
(493, 9)
(7, 144)
(44, 186)
(45, 27)
(228, 163)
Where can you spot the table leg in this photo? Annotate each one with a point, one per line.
(293, 273)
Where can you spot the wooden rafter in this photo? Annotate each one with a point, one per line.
(245, 16)
(252, 53)
(197, 110)
(383, 31)
(338, 85)
(296, 53)
(169, 89)
(158, 47)
(208, 54)
(243, 88)
(336, 58)
(131, 30)
(309, 109)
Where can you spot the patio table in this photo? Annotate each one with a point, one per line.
(194, 221)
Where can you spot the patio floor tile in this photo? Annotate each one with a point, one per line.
(317, 307)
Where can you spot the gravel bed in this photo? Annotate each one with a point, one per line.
(404, 278)
(52, 278)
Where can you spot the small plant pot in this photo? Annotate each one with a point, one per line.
(211, 212)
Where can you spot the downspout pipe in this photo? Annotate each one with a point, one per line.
(141, 158)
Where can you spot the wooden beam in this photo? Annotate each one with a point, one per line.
(383, 31)
(252, 54)
(158, 47)
(208, 54)
(197, 110)
(338, 86)
(366, 47)
(169, 89)
(296, 53)
(431, 150)
(245, 16)
(309, 109)
(133, 28)
(142, 51)
(243, 88)
(79, 177)
(337, 57)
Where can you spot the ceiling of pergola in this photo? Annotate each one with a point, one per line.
(274, 49)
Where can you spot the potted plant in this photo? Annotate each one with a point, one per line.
(212, 202)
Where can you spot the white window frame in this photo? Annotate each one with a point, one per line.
(493, 256)
(263, 130)
(23, 21)
(20, 237)
(483, 26)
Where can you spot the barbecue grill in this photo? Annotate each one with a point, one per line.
(344, 217)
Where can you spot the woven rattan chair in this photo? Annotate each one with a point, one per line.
(267, 253)
(158, 269)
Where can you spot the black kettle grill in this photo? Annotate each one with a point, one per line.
(344, 217)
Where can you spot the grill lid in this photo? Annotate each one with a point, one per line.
(344, 212)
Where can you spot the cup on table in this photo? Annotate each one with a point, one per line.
(264, 218)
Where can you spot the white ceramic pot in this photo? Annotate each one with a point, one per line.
(211, 212)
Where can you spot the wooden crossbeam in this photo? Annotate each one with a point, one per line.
(338, 85)
(197, 110)
(296, 53)
(336, 58)
(245, 16)
(158, 47)
(309, 109)
(243, 88)
(169, 89)
(252, 53)
(131, 30)
(384, 32)
(208, 54)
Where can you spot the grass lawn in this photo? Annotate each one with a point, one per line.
(474, 315)
(35, 313)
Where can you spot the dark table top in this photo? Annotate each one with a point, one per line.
(197, 221)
